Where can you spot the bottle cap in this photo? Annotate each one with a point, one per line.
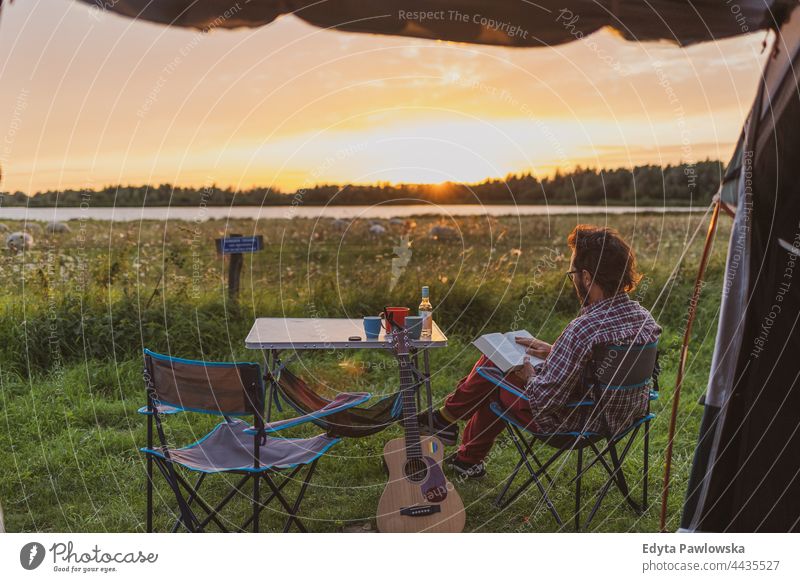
(425, 291)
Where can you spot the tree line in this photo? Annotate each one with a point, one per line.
(680, 184)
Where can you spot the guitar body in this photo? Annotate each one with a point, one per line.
(425, 503)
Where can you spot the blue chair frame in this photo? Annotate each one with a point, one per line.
(637, 369)
(230, 390)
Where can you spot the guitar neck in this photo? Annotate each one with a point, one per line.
(410, 424)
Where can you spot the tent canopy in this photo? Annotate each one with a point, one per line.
(521, 23)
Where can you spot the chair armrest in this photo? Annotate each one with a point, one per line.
(161, 408)
(342, 402)
(496, 377)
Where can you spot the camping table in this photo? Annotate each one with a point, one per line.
(272, 335)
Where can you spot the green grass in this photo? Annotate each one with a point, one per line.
(78, 309)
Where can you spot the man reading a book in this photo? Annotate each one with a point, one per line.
(603, 271)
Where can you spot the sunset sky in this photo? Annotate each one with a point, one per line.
(89, 99)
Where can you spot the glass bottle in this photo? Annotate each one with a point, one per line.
(425, 311)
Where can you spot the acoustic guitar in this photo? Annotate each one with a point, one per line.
(418, 497)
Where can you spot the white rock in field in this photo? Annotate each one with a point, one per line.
(340, 224)
(4, 227)
(377, 230)
(33, 227)
(19, 241)
(57, 228)
(440, 232)
(397, 221)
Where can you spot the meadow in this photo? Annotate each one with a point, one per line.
(78, 308)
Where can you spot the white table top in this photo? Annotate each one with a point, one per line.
(305, 333)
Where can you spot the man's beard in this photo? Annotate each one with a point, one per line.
(581, 291)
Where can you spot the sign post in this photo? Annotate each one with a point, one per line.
(234, 245)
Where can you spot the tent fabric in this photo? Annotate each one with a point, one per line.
(498, 22)
(735, 285)
(729, 329)
(746, 471)
(729, 189)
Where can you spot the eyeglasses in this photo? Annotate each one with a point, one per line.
(571, 273)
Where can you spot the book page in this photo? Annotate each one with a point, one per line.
(503, 349)
(512, 335)
(519, 350)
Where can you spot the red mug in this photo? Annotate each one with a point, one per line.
(394, 314)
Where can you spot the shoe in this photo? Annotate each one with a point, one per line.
(464, 468)
(444, 431)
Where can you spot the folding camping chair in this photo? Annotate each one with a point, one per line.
(227, 389)
(354, 422)
(613, 372)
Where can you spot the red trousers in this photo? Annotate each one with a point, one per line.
(471, 400)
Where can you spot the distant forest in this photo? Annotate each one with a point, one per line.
(681, 184)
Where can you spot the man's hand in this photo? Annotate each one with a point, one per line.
(526, 372)
(535, 347)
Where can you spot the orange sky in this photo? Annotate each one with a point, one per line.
(89, 99)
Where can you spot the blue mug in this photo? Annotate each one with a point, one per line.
(414, 326)
(373, 326)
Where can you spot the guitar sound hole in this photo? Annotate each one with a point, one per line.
(416, 470)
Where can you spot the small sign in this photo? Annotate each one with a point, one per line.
(240, 244)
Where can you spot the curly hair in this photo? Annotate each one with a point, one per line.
(602, 252)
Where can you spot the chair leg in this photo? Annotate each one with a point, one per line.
(276, 492)
(645, 464)
(517, 438)
(615, 462)
(524, 449)
(578, 479)
(529, 450)
(149, 469)
(614, 473)
(173, 479)
(212, 513)
(195, 524)
(498, 501)
(192, 495)
(256, 502)
(600, 496)
(299, 500)
(149, 517)
(619, 472)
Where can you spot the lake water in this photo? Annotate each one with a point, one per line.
(191, 213)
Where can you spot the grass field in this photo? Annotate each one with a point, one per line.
(79, 307)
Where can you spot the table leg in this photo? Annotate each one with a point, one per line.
(270, 364)
(268, 381)
(429, 393)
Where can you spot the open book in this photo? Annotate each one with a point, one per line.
(506, 353)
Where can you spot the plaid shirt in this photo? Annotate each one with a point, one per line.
(558, 381)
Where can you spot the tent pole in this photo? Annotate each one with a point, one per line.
(676, 397)
(727, 209)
